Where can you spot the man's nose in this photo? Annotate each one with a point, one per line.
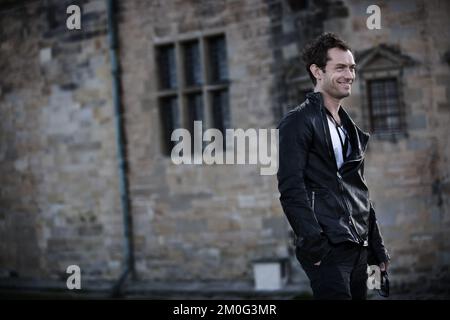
(349, 75)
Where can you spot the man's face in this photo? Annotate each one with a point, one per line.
(339, 74)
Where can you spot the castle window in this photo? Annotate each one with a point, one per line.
(381, 76)
(385, 114)
(193, 85)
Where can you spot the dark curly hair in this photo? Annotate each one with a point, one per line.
(316, 52)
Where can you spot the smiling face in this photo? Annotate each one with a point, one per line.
(339, 74)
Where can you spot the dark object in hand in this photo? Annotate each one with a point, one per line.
(384, 285)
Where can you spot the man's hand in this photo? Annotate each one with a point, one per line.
(318, 263)
(384, 266)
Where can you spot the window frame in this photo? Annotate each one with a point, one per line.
(373, 118)
(182, 91)
(365, 76)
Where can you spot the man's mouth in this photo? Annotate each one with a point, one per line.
(345, 84)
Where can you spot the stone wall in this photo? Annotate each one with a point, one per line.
(199, 222)
(59, 192)
(59, 200)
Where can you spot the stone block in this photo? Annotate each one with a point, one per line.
(417, 122)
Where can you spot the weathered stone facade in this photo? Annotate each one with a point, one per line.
(59, 202)
(60, 198)
(197, 221)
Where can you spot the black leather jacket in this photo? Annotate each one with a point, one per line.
(324, 204)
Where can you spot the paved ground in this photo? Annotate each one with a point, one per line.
(15, 289)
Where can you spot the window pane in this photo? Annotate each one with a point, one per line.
(170, 120)
(192, 66)
(220, 110)
(194, 109)
(194, 105)
(384, 104)
(393, 122)
(218, 67)
(167, 67)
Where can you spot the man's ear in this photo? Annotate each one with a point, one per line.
(316, 71)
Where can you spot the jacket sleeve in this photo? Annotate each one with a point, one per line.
(295, 137)
(377, 250)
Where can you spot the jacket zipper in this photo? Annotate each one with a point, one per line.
(352, 224)
(312, 200)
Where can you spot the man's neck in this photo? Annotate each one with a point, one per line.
(332, 104)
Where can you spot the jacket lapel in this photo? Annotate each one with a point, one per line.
(359, 141)
(358, 138)
(316, 98)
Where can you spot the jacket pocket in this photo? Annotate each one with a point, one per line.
(312, 250)
(326, 258)
(326, 205)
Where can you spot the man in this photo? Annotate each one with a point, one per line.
(321, 179)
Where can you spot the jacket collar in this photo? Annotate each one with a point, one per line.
(360, 137)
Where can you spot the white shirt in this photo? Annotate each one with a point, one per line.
(337, 147)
